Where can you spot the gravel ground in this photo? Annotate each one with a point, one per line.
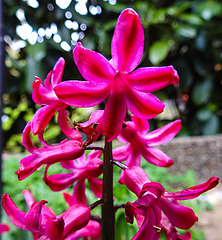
(210, 221)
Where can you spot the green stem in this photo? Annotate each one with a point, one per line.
(108, 210)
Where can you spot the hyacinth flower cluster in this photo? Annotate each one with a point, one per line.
(125, 90)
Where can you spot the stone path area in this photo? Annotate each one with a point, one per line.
(210, 221)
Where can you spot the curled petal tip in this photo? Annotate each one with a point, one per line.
(175, 76)
(36, 82)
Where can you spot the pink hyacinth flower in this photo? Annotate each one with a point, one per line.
(4, 228)
(45, 95)
(116, 79)
(92, 231)
(42, 222)
(141, 142)
(48, 154)
(152, 199)
(83, 168)
(92, 128)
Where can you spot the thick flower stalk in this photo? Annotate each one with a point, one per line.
(152, 199)
(114, 79)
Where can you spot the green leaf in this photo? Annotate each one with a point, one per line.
(212, 126)
(202, 91)
(186, 31)
(204, 114)
(158, 51)
(209, 9)
(191, 18)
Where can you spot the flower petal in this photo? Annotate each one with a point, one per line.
(28, 197)
(26, 139)
(194, 191)
(180, 216)
(121, 153)
(75, 218)
(143, 105)
(142, 125)
(68, 198)
(128, 41)
(67, 150)
(150, 226)
(16, 216)
(156, 157)
(57, 72)
(42, 95)
(135, 177)
(58, 182)
(151, 79)
(44, 115)
(53, 229)
(81, 93)
(92, 230)
(93, 66)
(4, 228)
(33, 216)
(67, 130)
(79, 195)
(115, 111)
(163, 134)
(96, 186)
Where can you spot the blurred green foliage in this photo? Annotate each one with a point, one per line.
(186, 34)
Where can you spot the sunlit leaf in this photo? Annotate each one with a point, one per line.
(158, 51)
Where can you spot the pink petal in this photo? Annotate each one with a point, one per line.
(142, 125)
(93, 66)
(16, 216)
(79, 195)
(115, 111)
(151, 223)
(133, 159)
(180, 216)
(76, 217)
(28, 198)
(57, 72)
(96, 186)
(26, 139)
(121, 153)
(43, 116)
(143, 105)
(48, 155)
(163, 134)
(67, 130)
(194, 191)
(68, 198)
(135, 177)
(156, 157)
(4, 228)
(53, 229)
(58, 182)
(95, 117)
(151, 79)
(92, 230)
(81, 93)
(42, 95)
(128, 41)
(33, 216)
